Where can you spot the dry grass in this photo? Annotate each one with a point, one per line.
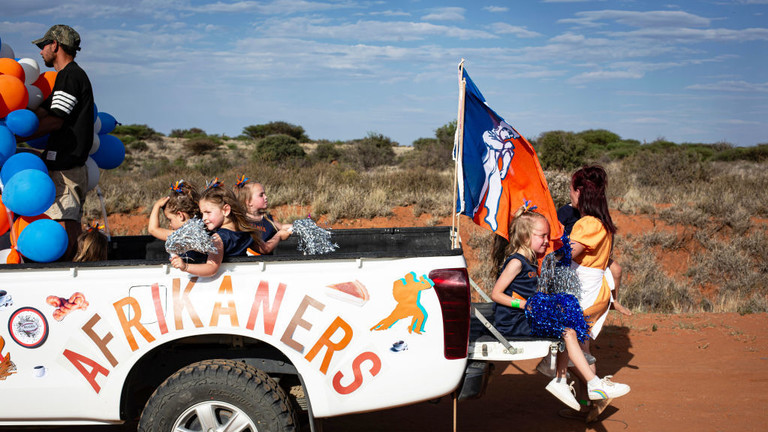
(715, 203)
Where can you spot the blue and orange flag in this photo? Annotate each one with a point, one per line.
(498, 170)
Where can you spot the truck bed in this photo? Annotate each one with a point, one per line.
(401, 242)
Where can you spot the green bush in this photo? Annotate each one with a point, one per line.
(372, 151)
(598, 137)
(276, 128)
(424, 143)
(188, 133)
(668, 168)
(278, 148)
(326, 152)
(758, 153)
(200, 146)
(140, 132)
(560, 150)
(139, 146)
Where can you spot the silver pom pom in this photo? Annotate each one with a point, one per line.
(313, 240)
(192, 236)
(558, 279)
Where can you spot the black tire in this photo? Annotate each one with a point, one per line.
(216, 392)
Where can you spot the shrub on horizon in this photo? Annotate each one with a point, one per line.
(278, 148)
(276, 128)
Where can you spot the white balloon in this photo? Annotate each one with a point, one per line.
(97, 125)
(31, 70)
(93, 173)
(35, 97)
(6, 51)
(96, 143)
(4, 256)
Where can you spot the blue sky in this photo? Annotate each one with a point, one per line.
(687, 71)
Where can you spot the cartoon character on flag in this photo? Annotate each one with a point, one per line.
(498, 169)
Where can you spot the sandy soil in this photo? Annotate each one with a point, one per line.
(697, 372)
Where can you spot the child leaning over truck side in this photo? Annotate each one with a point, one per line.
(517, 282)
(254, 199)
(179, 207)
(232, 234)
(91, 244)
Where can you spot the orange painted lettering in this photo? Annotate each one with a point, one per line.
(181, 301)
(100, 342)
(270, 313)
(298, 321)
(325, 341)
(159, 309)
(224, 289)
(358, 381)
(134, 322)
(77, 361)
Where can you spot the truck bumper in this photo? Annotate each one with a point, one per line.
(475, 381)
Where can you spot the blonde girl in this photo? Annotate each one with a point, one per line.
(231, 231)
(91, 244)
(517, 282)
(254, 199)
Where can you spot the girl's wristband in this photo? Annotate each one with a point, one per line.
(515, 303)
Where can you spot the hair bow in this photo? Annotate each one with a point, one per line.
(213, 183)
(242, 181)
(527, 206)
(95, 225)
(178, 186)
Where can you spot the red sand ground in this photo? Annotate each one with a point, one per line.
(694, 372)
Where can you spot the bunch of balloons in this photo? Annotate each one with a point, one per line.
(27, 190)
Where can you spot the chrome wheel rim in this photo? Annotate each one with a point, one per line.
(214, 416)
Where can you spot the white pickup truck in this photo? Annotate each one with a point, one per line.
(381, 322)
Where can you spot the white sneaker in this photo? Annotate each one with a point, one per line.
(607, 389)
(563, 391)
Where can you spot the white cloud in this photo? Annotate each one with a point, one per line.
(496, 9)
(504, 28)
(390, 13)
(277, 7)
(638, 19)
(732, 86)
(387, 31)
(445, 14)
(683, 35)
(605, 75)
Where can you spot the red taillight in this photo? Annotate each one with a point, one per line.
(452, 287)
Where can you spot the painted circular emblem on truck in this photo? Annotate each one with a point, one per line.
(28, 327)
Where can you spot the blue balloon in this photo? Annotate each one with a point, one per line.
(20, 162)
(22, 122)
(43, 240)
(7, 144)
(29, 193)
(111, 152)
(39, 143)
(108, 123)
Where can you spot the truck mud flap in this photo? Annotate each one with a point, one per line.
(475, 381)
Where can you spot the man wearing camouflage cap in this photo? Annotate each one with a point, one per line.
(67, 115)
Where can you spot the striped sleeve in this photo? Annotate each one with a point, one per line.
(63, 102)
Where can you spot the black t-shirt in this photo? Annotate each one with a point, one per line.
(568, 215)
(71, 100)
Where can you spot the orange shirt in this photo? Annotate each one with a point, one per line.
(597, 242)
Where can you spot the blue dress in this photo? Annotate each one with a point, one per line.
(508, 320)
(236, 243)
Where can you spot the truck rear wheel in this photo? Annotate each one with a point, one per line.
(218, 395)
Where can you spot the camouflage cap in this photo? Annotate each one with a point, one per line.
(62, 34)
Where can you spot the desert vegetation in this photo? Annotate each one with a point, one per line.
(706, 205)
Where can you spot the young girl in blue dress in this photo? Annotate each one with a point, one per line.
(225, 218)
(517, 283)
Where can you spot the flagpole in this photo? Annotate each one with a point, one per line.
(458, 143)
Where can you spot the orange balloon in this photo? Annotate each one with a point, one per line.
(4, 224)
(20, 223)
(14, 257)
(45, 83)
(13, 94)
(11, 67)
